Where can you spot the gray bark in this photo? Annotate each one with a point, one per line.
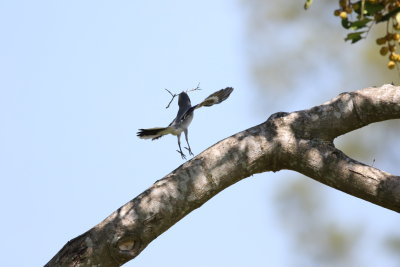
(301, 141)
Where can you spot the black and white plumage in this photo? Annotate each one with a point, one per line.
(184, 118)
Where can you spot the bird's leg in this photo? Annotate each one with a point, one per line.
(187, 141)
(180, 149)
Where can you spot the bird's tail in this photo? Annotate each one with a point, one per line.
(152, 133)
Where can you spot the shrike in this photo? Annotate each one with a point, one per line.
(184, 118)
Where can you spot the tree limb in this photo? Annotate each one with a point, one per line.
(301, 141)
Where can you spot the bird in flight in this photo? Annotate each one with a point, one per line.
(184, 118)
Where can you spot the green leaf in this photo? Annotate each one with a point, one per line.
(346, 23)
(354, 37)
(359, 24)
(371, 8)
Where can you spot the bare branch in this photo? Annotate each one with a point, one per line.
(330, 166)
(300, 141)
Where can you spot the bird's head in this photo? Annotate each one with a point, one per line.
(184, 99)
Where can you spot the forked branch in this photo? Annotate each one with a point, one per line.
(301, 141)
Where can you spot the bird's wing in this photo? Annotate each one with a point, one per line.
(215, 98)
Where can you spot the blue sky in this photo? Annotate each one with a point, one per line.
(78, 78)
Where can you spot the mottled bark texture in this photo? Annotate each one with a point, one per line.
(301, 141)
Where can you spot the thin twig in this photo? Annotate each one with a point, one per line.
(194, 89)
(173, 96)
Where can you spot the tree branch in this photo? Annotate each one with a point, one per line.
(300, 141)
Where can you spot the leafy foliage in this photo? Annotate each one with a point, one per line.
(359, 17)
